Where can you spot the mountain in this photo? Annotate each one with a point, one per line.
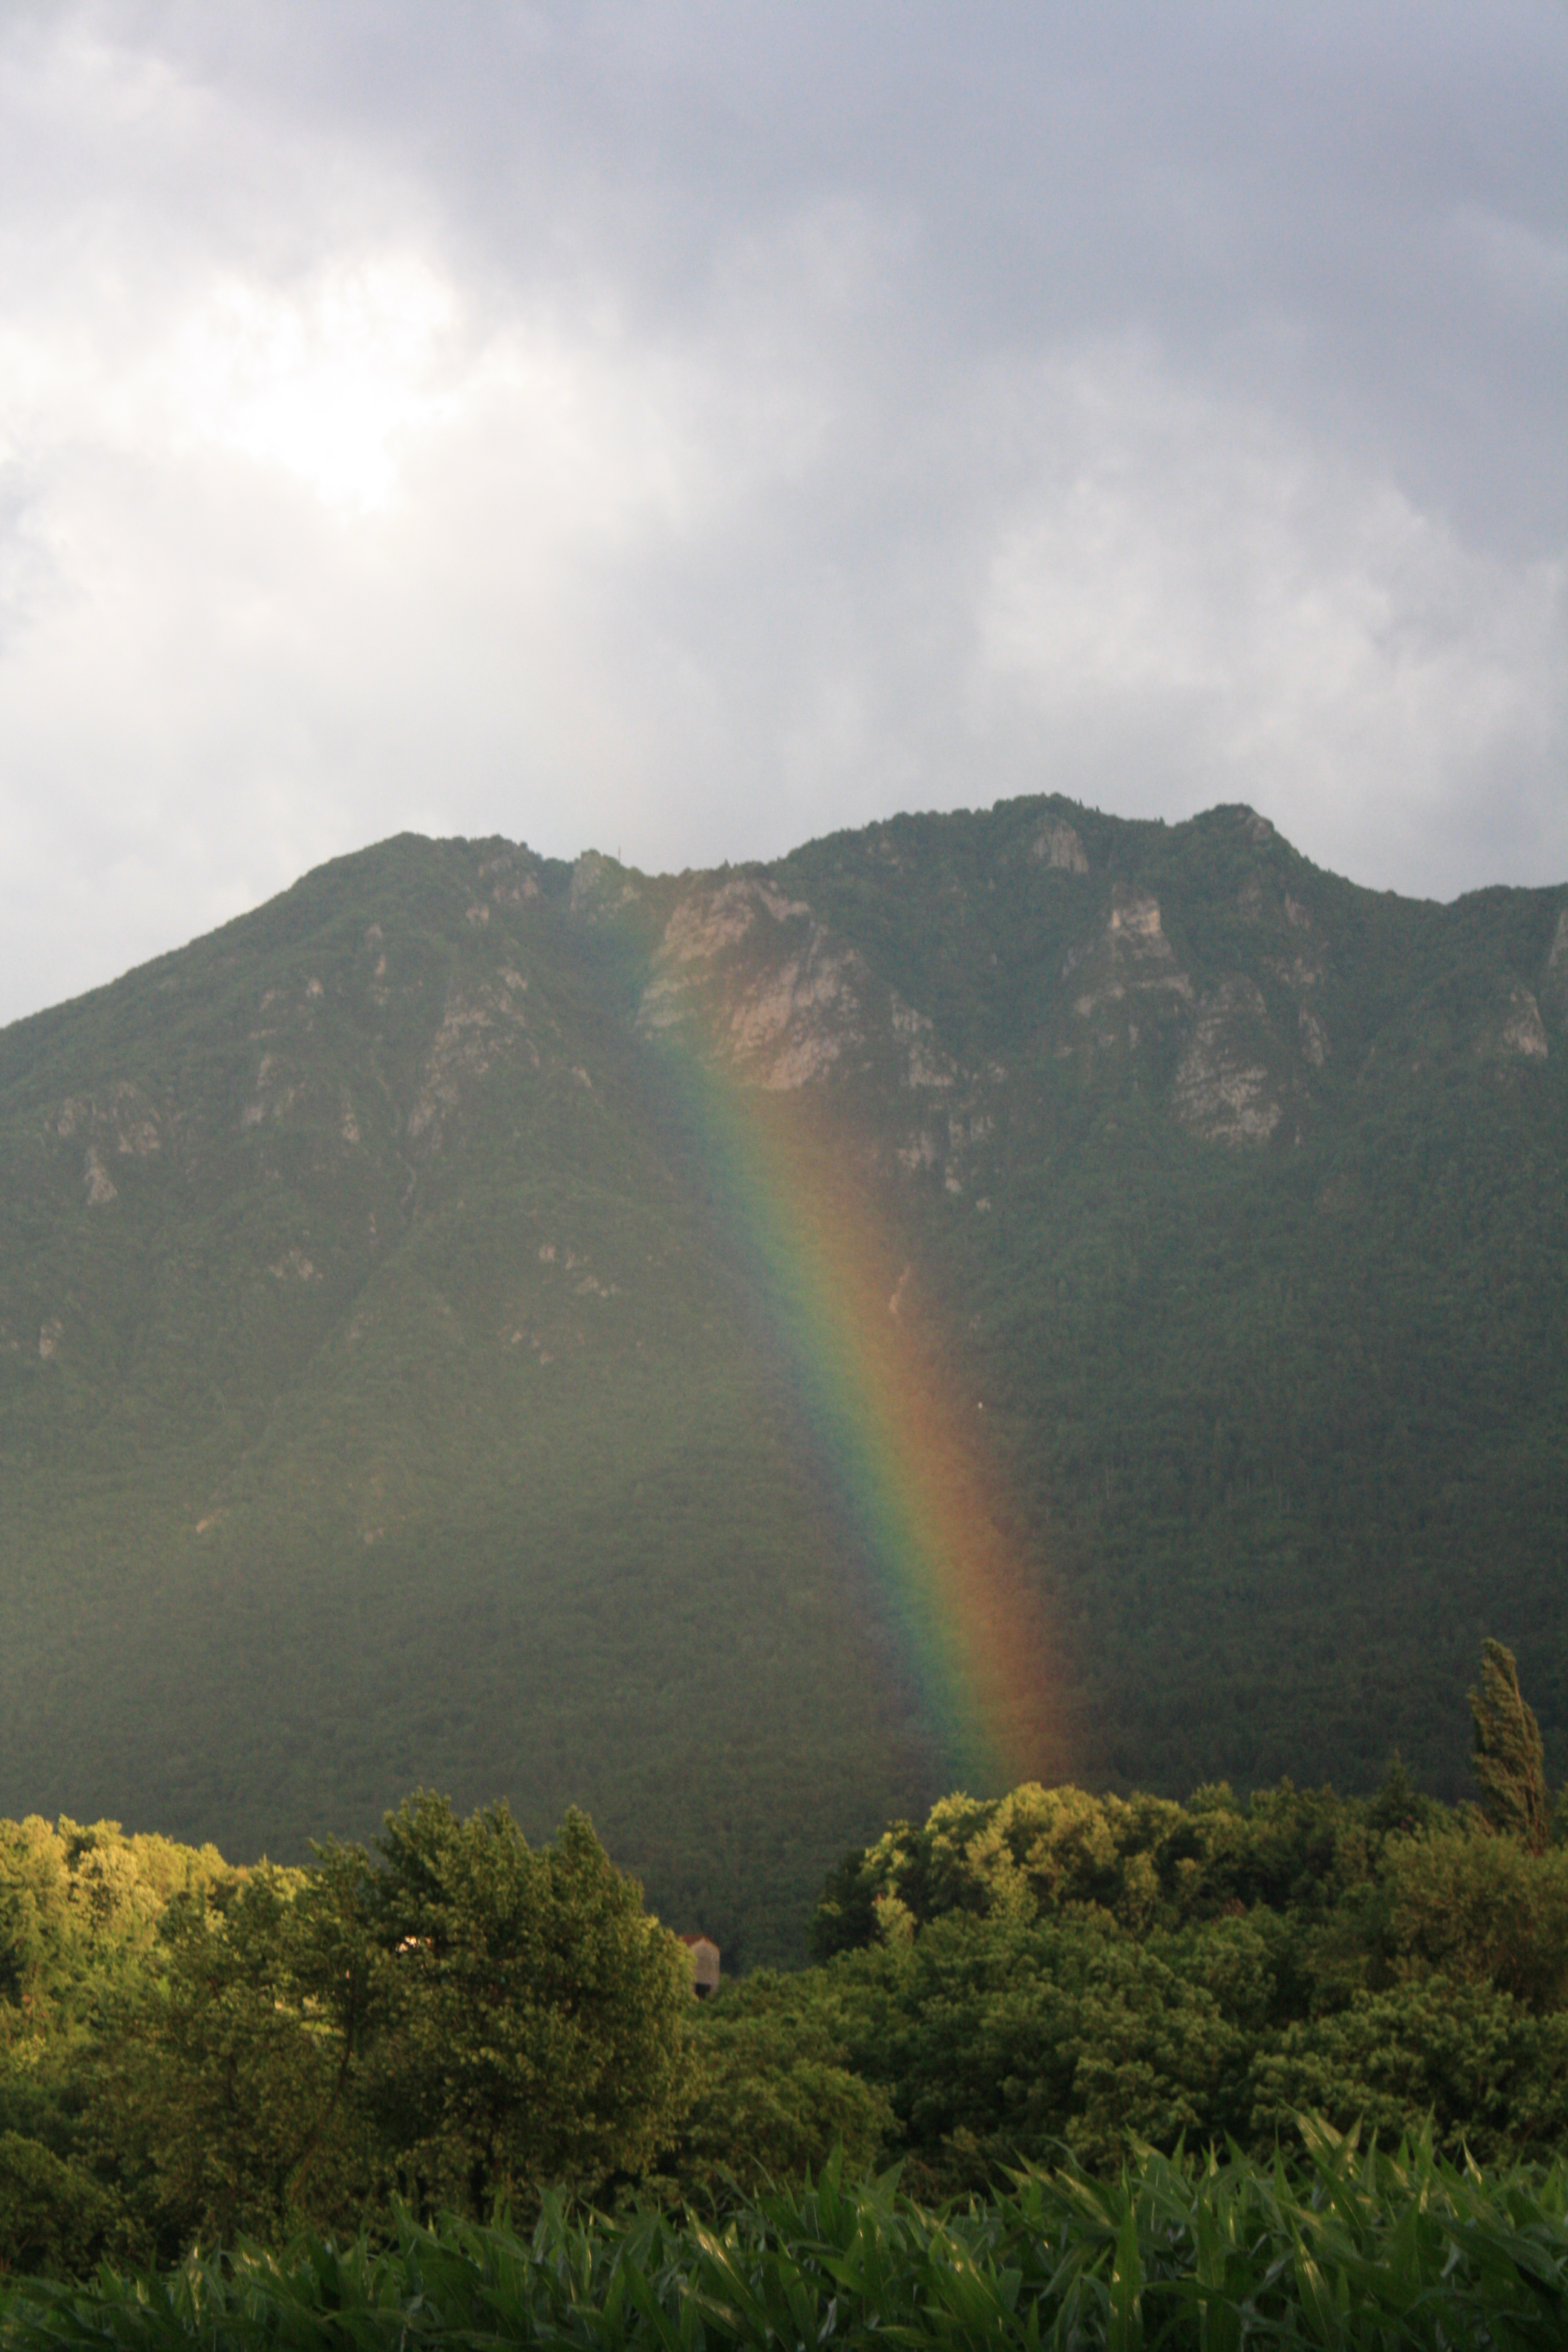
(1007, 1292)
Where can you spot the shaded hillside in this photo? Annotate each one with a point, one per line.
(393, 1386)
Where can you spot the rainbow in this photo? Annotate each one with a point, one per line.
(903, 1450)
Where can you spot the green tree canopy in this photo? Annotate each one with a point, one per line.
(526, 2025)
(1506, 1755)
(451, 2018)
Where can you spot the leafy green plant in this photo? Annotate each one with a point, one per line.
(1350, 2249)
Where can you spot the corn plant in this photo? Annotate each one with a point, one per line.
(1362, 2249)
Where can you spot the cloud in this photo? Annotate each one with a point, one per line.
(328, 383)
(645, 429)
(1198, 601)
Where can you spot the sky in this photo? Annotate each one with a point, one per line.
(684, 430)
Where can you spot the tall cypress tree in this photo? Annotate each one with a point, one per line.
(1506, 1755)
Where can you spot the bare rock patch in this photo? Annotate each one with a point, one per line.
(1058, 844)
(1523, 1030)
(1223, 1090)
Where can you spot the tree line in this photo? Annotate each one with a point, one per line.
(450, 2022)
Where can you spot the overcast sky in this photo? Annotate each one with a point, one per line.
(686, 429)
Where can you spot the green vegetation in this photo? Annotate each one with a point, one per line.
(376, 1333)
(1059, 1969)
(390, 1396)
(449, 2022)
(452, 2024)
(1389, 2252)
(1505, 1756)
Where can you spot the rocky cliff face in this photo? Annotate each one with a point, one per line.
(1220, 1008)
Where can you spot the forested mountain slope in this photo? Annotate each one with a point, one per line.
(500, 1324)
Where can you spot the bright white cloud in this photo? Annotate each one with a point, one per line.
(330, 384)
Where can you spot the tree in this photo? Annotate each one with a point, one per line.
(530, 2028)
(451, 2018)
(775, 2093)
(1492, 2078)
(1506, 1755)
(54, 2217)
(1478, 1909)
(219, 2100)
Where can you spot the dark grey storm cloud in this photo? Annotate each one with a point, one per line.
(691, 428)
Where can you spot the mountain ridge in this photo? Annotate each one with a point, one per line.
(374, 1310)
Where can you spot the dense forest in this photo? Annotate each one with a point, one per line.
(388, 1302)
(449, 2021)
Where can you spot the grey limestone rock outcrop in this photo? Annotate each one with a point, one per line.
(1224, 1089)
